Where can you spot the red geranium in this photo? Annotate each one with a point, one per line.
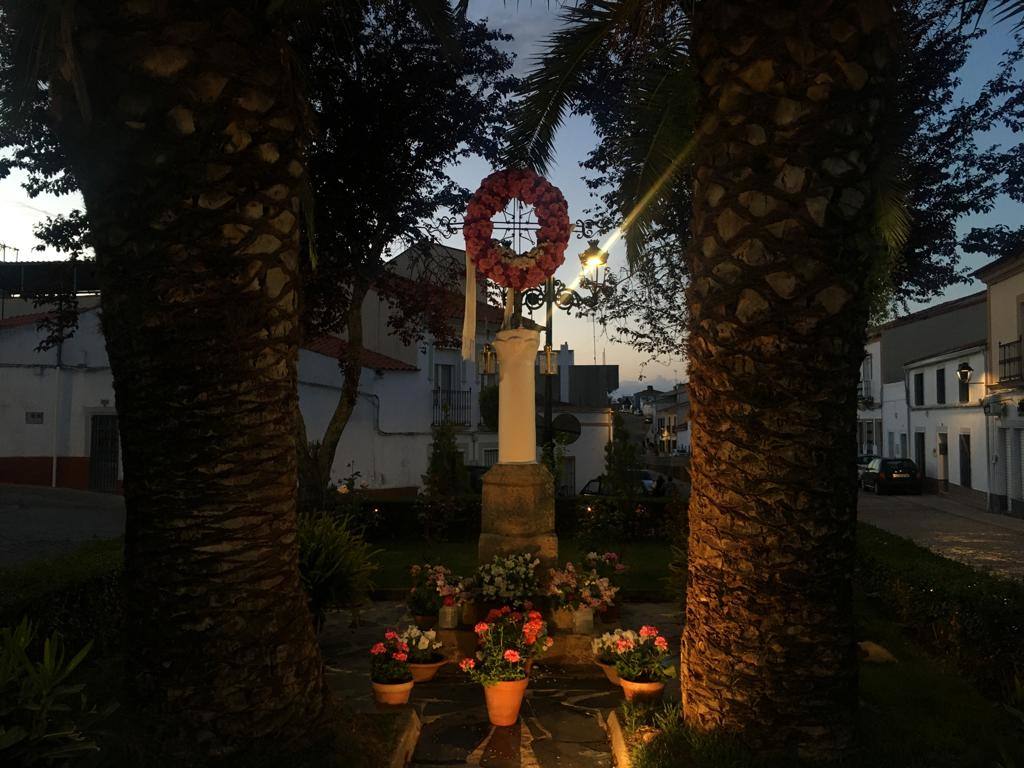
(496, 260)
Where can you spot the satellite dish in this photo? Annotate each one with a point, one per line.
(565, 426)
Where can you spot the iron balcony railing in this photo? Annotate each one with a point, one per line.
(453, 406)
(1010, 360)
(864, 389)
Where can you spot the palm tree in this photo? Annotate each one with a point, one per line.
(785, 158)
(183, 125)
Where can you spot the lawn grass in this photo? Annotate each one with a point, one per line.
(33, 580)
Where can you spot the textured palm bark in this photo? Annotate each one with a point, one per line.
(791, 97)
(190, 167)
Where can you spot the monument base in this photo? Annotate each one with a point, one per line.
(518, 513)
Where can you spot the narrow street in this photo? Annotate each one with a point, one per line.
(986, 541)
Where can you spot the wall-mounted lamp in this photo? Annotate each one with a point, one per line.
(963, 372)
(549, 368)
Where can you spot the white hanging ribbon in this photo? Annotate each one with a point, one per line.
(469, 313)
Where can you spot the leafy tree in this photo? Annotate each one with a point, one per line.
(446, 474)
(621, 461)
(940, 169)
(393, 113)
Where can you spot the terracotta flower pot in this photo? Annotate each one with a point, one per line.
(641, 691)
(422, 673)
(425, 621)
(609, 671)
(392, 694)
(504, 700)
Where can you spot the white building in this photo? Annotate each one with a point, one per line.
(58, 423)
(945, 418)
(869, 399)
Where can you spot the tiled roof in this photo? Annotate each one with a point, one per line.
(332, 346)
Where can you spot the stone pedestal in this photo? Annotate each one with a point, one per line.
(518, 493)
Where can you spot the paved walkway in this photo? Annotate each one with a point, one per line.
(41, 522)
(563, 716)
(986, 541)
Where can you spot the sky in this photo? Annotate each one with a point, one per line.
(529, 23)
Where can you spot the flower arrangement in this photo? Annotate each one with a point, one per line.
(508, 579)
(389, 660)
(573, 589)
(423, 645)
(496, 260)
(507, 640)
(607, 564)
(639, 656)
(432, 587)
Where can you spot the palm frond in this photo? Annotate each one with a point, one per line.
(892, 217)
(547, 91)
(660, 145)
(1005, 10)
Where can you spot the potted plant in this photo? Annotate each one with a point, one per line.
(608, 565)
(389, 670)
(576, 595)
(424, 600)
(606, 651)
(640, 664)
(452, 590)
(507, 643)
(425, 656)
(508, 580)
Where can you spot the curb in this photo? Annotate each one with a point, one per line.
(617, 738)
(406, 740)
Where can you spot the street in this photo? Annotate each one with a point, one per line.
(40, 522)
(986, 541)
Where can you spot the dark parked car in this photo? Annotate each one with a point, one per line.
(862, 462)
(648, 483)
(891, 475)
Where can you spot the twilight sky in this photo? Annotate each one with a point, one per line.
(530, 23)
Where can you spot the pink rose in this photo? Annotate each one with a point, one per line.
(511, 656)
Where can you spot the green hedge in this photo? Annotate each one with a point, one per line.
(77, 595)
(974, 620)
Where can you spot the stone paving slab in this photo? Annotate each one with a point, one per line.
(562, 722)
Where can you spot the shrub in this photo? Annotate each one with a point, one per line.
(335, 563)
(975, 620)
(45, 717)
(77, 595)
(447, 518)
(600, 522)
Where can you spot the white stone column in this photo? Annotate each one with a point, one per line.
(517, 398)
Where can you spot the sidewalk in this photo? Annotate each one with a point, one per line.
(984, 540)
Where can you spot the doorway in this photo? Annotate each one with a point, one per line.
(943, 460)
(104, 452)
(965, 460)
(919, 451)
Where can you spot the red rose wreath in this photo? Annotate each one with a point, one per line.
(495, 259)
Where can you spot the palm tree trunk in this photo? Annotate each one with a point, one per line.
(782, 246)
(190, 169)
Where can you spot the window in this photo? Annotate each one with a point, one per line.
(490, 457)
(865, 369)
(444, 376)
(918, 389)
(892, 444)
(964, 391)
(940, 386)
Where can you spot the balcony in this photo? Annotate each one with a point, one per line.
(453, 406)
(1010, 360)
(864, 389)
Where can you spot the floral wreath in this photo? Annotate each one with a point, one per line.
(496, 260)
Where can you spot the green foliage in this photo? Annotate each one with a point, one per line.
(445, 518)
(335, 563)
(972, 619)
(78, 595)
(604, 522)
(45, 718)
(621, 462)
(489, 407)
(446, 474)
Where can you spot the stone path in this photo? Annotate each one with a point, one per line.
(563, 716)
(984, 540)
